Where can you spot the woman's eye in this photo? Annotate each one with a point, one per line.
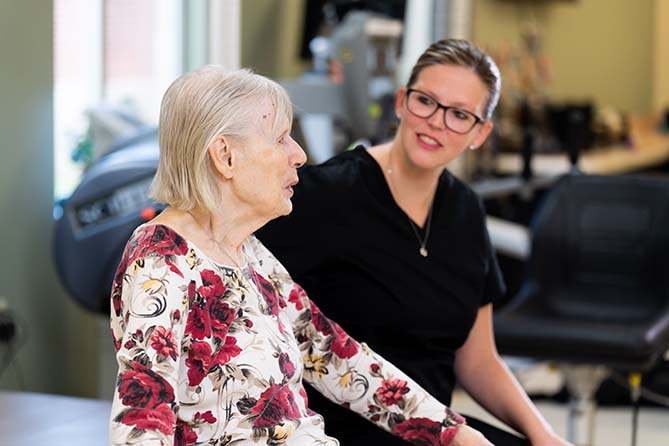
(425, 100)
(461, 114)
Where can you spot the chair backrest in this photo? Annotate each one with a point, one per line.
(600, 248)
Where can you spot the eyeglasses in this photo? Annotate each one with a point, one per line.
(455, 119)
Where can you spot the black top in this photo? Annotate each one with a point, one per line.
(354, 251)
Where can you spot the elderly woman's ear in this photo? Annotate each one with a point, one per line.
(221, 154)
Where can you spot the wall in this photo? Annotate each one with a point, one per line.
(271, 37)
(600, 49)
(661, 56)
(59, 355)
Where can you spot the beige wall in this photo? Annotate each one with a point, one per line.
(661, 56)
(271, 37)
(600, 49)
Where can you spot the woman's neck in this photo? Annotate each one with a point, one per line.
(220, 234)
(412, 188)
(227, 230)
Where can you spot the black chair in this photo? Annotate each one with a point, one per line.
(596, 293)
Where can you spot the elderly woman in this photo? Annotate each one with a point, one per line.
(213, 338)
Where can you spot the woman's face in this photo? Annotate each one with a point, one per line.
(427, 142)
(266, 168)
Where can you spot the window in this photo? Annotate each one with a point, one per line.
(113, 60)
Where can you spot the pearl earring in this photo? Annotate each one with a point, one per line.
(472, 147)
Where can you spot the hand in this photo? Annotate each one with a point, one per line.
(551, 439)
(468, 436)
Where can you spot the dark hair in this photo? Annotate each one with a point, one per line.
(465, 54)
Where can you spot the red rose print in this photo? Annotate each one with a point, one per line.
(198, 324)
(164, 241)
(295, 297)
(419, 431)
(141, 244)
(117, 284)
(191, 292)
(269, 294)
(221, 315)
(447, 435)
(198, 362)
(167, 243)
(160, 418)
(142, 387)
(286, 366)
(184, 435)
(276, 403)
(343, 345)
(212, 285)
(116, 298)
(139, 335)
(206, 417)
(162, 341)
(117, 342)
(228, 350)
(321, 323)
(392, 391)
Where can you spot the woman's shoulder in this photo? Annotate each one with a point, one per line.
(342, 170)
(461, 195)
(155, 241)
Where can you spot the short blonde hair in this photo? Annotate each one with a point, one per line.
(198, 107)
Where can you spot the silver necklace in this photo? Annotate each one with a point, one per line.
(243, 271)
(422, 241)
(210, 235)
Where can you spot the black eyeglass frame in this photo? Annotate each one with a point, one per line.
(445, 108)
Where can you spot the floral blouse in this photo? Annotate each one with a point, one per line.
(214, 355)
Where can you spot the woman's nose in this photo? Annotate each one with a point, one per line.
(438, 118)
(297, 156)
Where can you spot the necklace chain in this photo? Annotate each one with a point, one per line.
(422, 241)
(210, 234)
(248, 273)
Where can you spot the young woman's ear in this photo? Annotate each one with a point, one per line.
(483, 134)
(399, 102)
(222, 156)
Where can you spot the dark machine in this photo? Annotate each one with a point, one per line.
(356, 103)
(93, 225)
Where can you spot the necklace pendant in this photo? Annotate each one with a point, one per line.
(423, 251)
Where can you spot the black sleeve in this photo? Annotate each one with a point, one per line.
(495, 288)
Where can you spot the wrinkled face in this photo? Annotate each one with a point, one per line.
(427, 142)
(266, 168)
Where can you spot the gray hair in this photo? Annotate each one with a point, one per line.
(197, 108)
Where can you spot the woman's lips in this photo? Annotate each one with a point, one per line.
(428, 142)
(289, 188)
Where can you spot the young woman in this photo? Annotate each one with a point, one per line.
(387, 241)
(213, 337)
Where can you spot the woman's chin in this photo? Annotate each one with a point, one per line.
(284, 209)
(431, 160)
